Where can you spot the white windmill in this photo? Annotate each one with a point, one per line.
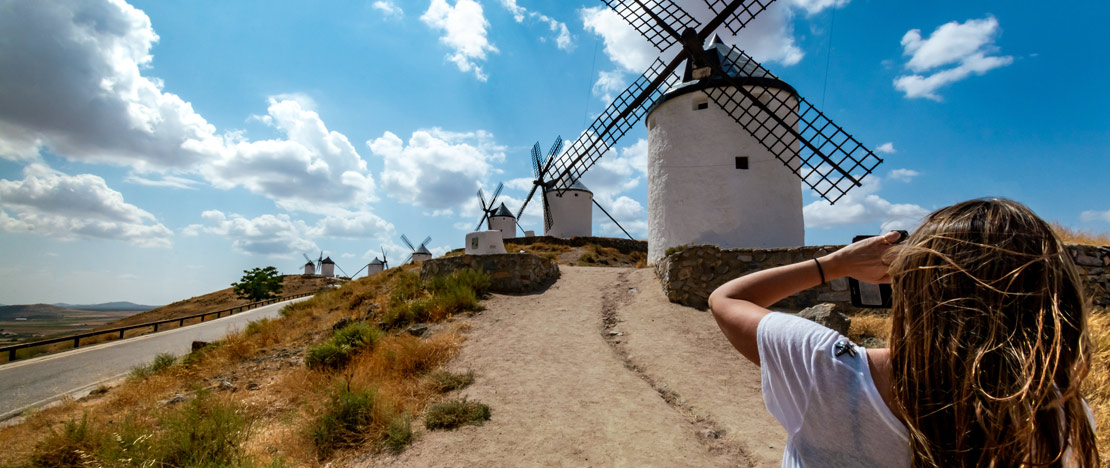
(567, 212)
(309, 268)
(709, 181)
(419, 254)
(500, 218)
(377, 265)
(327, 267)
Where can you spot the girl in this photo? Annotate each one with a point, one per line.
(988, 349)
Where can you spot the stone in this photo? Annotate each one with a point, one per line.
(828, 315)
(418, 329)
(198, 345)
(253, 386)
(1087, 260)
(225, 385)
(343, 322)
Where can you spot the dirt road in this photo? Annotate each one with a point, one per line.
(601, 370)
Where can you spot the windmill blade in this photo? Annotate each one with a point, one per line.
(496, 193)
(661, 26)
(385, 260)
(407, 260)
(739, 12)
(341, 270)
(405, 239)
(480, 221)
(308, 259)
(828, 159)
(360, 270)
(426, 241)
(547, 219)
(482, 199)
(485, 209)
(526, 200)
(537, 160)
(613, 219)
(627, 109)
(555, 147)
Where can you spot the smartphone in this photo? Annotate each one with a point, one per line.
(869, 295)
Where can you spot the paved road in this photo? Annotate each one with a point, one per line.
(38, 381)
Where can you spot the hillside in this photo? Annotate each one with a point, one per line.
(113, 306)
(222, 299)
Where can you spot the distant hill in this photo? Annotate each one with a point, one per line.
(37, 312)
(120, 306)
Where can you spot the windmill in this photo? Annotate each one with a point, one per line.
(313, 267)
(377, 265)
(419, 254)
(564, 214)
(691, 199)
(500, 218)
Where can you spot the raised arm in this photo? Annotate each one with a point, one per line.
(740, 304)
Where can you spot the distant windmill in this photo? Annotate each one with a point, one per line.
(707, 182)
(500, 218)
(313, 267)
(377, 265)
(419, 254)
(564, 214)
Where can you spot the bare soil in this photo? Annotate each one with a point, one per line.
(601, 370)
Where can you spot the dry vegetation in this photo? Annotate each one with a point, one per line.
(251, 400)
(1076, 236)
(587, 255)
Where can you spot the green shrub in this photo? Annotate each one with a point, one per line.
(399, 433)
(346, 417)
(160, 362)
(406, 287)
(453, 414)
(68, 447)
(443, 381)
(337, 351)
(676, 249)
(203, 432)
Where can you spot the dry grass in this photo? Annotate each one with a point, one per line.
(867, 328)
(1077, 236)
(278, 397)
(1097, 386)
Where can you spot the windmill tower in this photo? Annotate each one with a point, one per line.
(500, 218)
(721, 84)
(309, 268)
(419, 254)
(566, 212)
(327, 267)
(375, 266)
(313, 267)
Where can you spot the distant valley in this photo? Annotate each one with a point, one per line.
(34, 321)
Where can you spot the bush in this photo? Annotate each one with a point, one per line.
(453, 414)
(68, 447)
(399, 434)
(255, 327)
(160, 362)
(444, 381)
(676, 249)
(204, 432)
(337, 351)
(344, 421)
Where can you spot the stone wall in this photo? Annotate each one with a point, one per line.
(625, 246)
(510, 273)
(690, 275)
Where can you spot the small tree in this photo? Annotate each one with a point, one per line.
(258, 284)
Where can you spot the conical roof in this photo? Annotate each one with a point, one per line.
(502, 211)
(328, 260)
(310, 264)
(376, 261)
(423, 250)
(734, 63)
(577, 185)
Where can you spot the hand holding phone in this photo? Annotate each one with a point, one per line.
(872, 295)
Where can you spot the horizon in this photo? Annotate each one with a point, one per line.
(151, 151)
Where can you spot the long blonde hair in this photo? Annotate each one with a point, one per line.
(989, 344)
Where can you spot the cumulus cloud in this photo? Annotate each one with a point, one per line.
(437, 169)
(562, 37)
(388, 8)
(904, 175)
(768, 38)
(48, 202)
(628, 212)
(953, 52)
(464, 28)
(886, 148)
(1093, 215)
(273, 235)
(71, 81)
(353, 225)
(164, 181)
(863, 205)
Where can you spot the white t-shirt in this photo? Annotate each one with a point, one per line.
(817, 384)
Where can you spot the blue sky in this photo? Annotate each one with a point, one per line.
(151, 150)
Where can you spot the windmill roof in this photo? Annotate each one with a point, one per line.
(328, 260)
(376, 261)
(502, 211)
(734, 63)
(423, 250)
(577, 185)
(309, 263)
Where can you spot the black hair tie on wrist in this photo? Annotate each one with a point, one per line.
(820, 270)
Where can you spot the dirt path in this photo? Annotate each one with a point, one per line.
(600, 370)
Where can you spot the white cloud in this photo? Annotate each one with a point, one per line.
(618, 171)
(768, 38)
(437, 170)
(609, 84)
(165, 181)
(353, 225)
(863, 206)
(464, 31)
(388, 8)
(273, 235)
(964, 48)
(1092, 215)
(628, 212)
(887, 148)
(51, 203)
(562, 37)
(904, 175)
(73, 83)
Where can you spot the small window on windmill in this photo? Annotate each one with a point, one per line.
(701, 103)
(742, 162)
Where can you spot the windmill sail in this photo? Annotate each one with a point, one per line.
(659, 25)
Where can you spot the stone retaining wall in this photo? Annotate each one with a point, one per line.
(510, 273)
(689, 276)
(625, 246)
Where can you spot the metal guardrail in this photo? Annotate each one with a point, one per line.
(76, 339)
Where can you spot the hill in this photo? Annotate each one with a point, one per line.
(113, 306)
(36, 312)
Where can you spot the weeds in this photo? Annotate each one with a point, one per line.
(399, 434)
(453, 414)
(337, 351)
(160, 363)
(346, 417)
(676, 249)
(444, 381)
(204, 432)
